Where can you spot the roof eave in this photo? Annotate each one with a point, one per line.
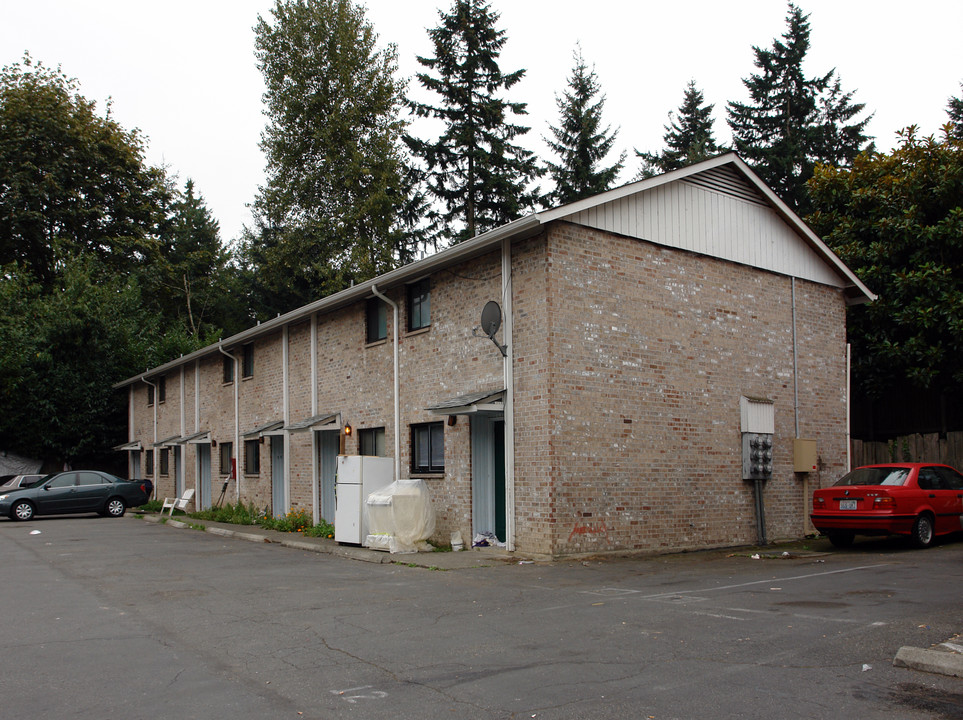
(478, 245)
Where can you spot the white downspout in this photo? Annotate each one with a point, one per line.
(183, 409)
(849, 407)
(130, 433)
(180, 451)
(153, 460)
(315, 469)
(509, 396)
(237, 426)
(197, 396)
(395, 333)
(286, 416)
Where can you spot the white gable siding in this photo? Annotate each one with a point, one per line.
(715, 216)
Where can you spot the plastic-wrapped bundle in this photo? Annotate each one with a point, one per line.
(400, 517)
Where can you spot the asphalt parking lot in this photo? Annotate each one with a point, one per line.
(128, 619)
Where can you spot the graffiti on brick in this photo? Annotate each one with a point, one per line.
(589, 527)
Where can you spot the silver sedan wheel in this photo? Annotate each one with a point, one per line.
(115, 507)
(23, 511)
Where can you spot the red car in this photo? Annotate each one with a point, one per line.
(921, 500)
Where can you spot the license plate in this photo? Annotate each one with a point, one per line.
(847, 504)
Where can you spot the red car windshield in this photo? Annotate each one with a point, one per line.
(875, 476)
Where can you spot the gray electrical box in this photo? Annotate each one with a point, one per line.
(756, 456)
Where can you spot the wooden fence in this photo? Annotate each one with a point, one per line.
(911, 448)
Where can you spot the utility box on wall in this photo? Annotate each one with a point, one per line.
(805, 458)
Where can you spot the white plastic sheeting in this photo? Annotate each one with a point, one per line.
(400, 517)
(11, 464)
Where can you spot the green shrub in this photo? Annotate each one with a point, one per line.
(236, 514)
(294, 521)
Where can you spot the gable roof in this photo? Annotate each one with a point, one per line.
(765, 233)
(720, 208)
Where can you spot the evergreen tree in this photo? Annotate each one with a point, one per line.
(954, 109)
(336, 176)
(474, 169)
(194, 284)
(794, 122)
(581, 144)
(688, 136)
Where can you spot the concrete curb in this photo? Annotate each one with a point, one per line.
(932, 661)
(250, 537)
(439, 561)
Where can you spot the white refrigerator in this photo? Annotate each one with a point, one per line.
(358, 476)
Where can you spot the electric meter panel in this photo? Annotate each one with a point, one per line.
(756, 456)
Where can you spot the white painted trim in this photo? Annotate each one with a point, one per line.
(509, 404)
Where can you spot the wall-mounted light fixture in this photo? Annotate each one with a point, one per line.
(213, 443)
(347, 428)
(452, 419)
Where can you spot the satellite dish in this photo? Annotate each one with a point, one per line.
(491, 318)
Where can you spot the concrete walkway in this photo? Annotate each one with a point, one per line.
(439, 560)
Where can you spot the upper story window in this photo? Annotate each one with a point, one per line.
(376, 320)
(161, 389)
(150, 395)
(228, 368)
(247, 362)
(419, 304)
(428, 448)
(372, 441)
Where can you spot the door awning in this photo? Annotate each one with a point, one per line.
(198, 438)
(135, 445)
(490, 401)
(265, 429)
(312, 422)
(172, 440)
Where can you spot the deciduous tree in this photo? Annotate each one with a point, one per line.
(336, 185)
(897, 220)
(73, 183)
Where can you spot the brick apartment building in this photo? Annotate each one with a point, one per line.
(641, 328)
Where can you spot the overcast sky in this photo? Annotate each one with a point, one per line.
(183, 71)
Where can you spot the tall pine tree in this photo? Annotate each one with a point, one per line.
(688, 136)
(194, 285)
(954, 108)
(581, 143)
(793, 122)
(336, 175)
(475, 170)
